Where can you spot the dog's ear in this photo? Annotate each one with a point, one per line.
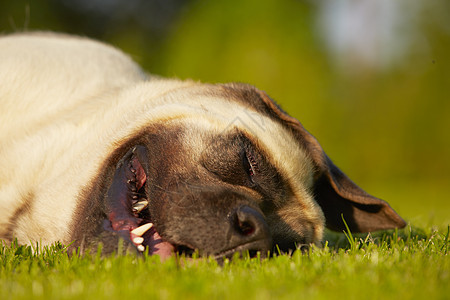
(339, 197)
(336, 194)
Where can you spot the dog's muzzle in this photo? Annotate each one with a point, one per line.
(213, 220)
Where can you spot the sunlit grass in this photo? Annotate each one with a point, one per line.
(407, 264)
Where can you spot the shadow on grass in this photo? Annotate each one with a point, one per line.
(334, 241)
(348, 240)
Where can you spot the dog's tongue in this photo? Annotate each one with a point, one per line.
(157, 246)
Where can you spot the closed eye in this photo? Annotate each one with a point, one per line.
(250, 165)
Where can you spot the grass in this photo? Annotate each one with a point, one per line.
(405, 264)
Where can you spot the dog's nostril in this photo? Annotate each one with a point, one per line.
(250, 232)
(245, 228)
(249, 223)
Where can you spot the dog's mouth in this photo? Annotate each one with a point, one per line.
(127, 207)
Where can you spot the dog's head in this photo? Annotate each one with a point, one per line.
(222, 169)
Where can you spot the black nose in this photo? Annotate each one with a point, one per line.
(250, 232)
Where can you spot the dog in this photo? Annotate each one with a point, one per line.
(94, 150)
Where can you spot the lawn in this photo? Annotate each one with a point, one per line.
(387, 127)
(408, 264)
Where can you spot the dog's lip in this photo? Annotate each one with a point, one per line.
(241, 249)
(152, 242)
(127, 205)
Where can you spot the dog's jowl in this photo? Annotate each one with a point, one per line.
(93, 150)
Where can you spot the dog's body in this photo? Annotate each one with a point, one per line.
(91, 148)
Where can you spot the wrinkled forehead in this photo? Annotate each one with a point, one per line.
(219, 116)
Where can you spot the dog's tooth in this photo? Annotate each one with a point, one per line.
(143, 202)
(138, 240)
(139, 206)
(139, 231)
(140, 248)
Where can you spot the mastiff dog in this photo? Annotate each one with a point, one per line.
(94, 150)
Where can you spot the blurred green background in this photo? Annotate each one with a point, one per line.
(370, 78)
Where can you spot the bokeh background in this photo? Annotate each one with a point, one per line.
(369, 78)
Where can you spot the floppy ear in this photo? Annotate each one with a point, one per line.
(336, 194)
